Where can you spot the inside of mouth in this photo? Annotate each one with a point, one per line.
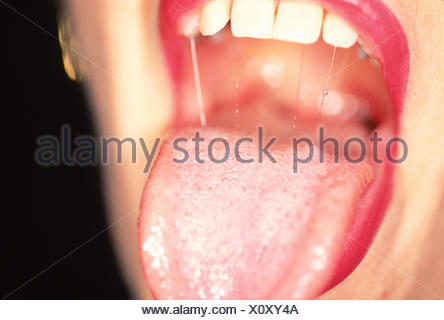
(288, 88)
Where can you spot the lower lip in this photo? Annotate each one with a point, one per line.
(383, 34)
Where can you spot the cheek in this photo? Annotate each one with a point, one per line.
(125, 68)
(130, 97)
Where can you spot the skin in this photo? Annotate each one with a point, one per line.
(130, 97)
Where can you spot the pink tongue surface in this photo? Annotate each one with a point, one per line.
(236, 230)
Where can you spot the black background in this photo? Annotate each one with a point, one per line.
(66, 203)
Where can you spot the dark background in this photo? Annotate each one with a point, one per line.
(66, 203)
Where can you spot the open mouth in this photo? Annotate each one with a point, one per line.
(251, 226)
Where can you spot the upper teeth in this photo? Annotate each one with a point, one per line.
(253, 18)
(337, 32)
(293, 20)
(214, 16)
(298, 22)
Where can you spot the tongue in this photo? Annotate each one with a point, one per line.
(235, 230)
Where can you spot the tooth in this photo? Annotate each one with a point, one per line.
(253, 18)
(298, 22)
(337, 32)
(361, 53)
(214, 16)
(375, 62)
(189, 26)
